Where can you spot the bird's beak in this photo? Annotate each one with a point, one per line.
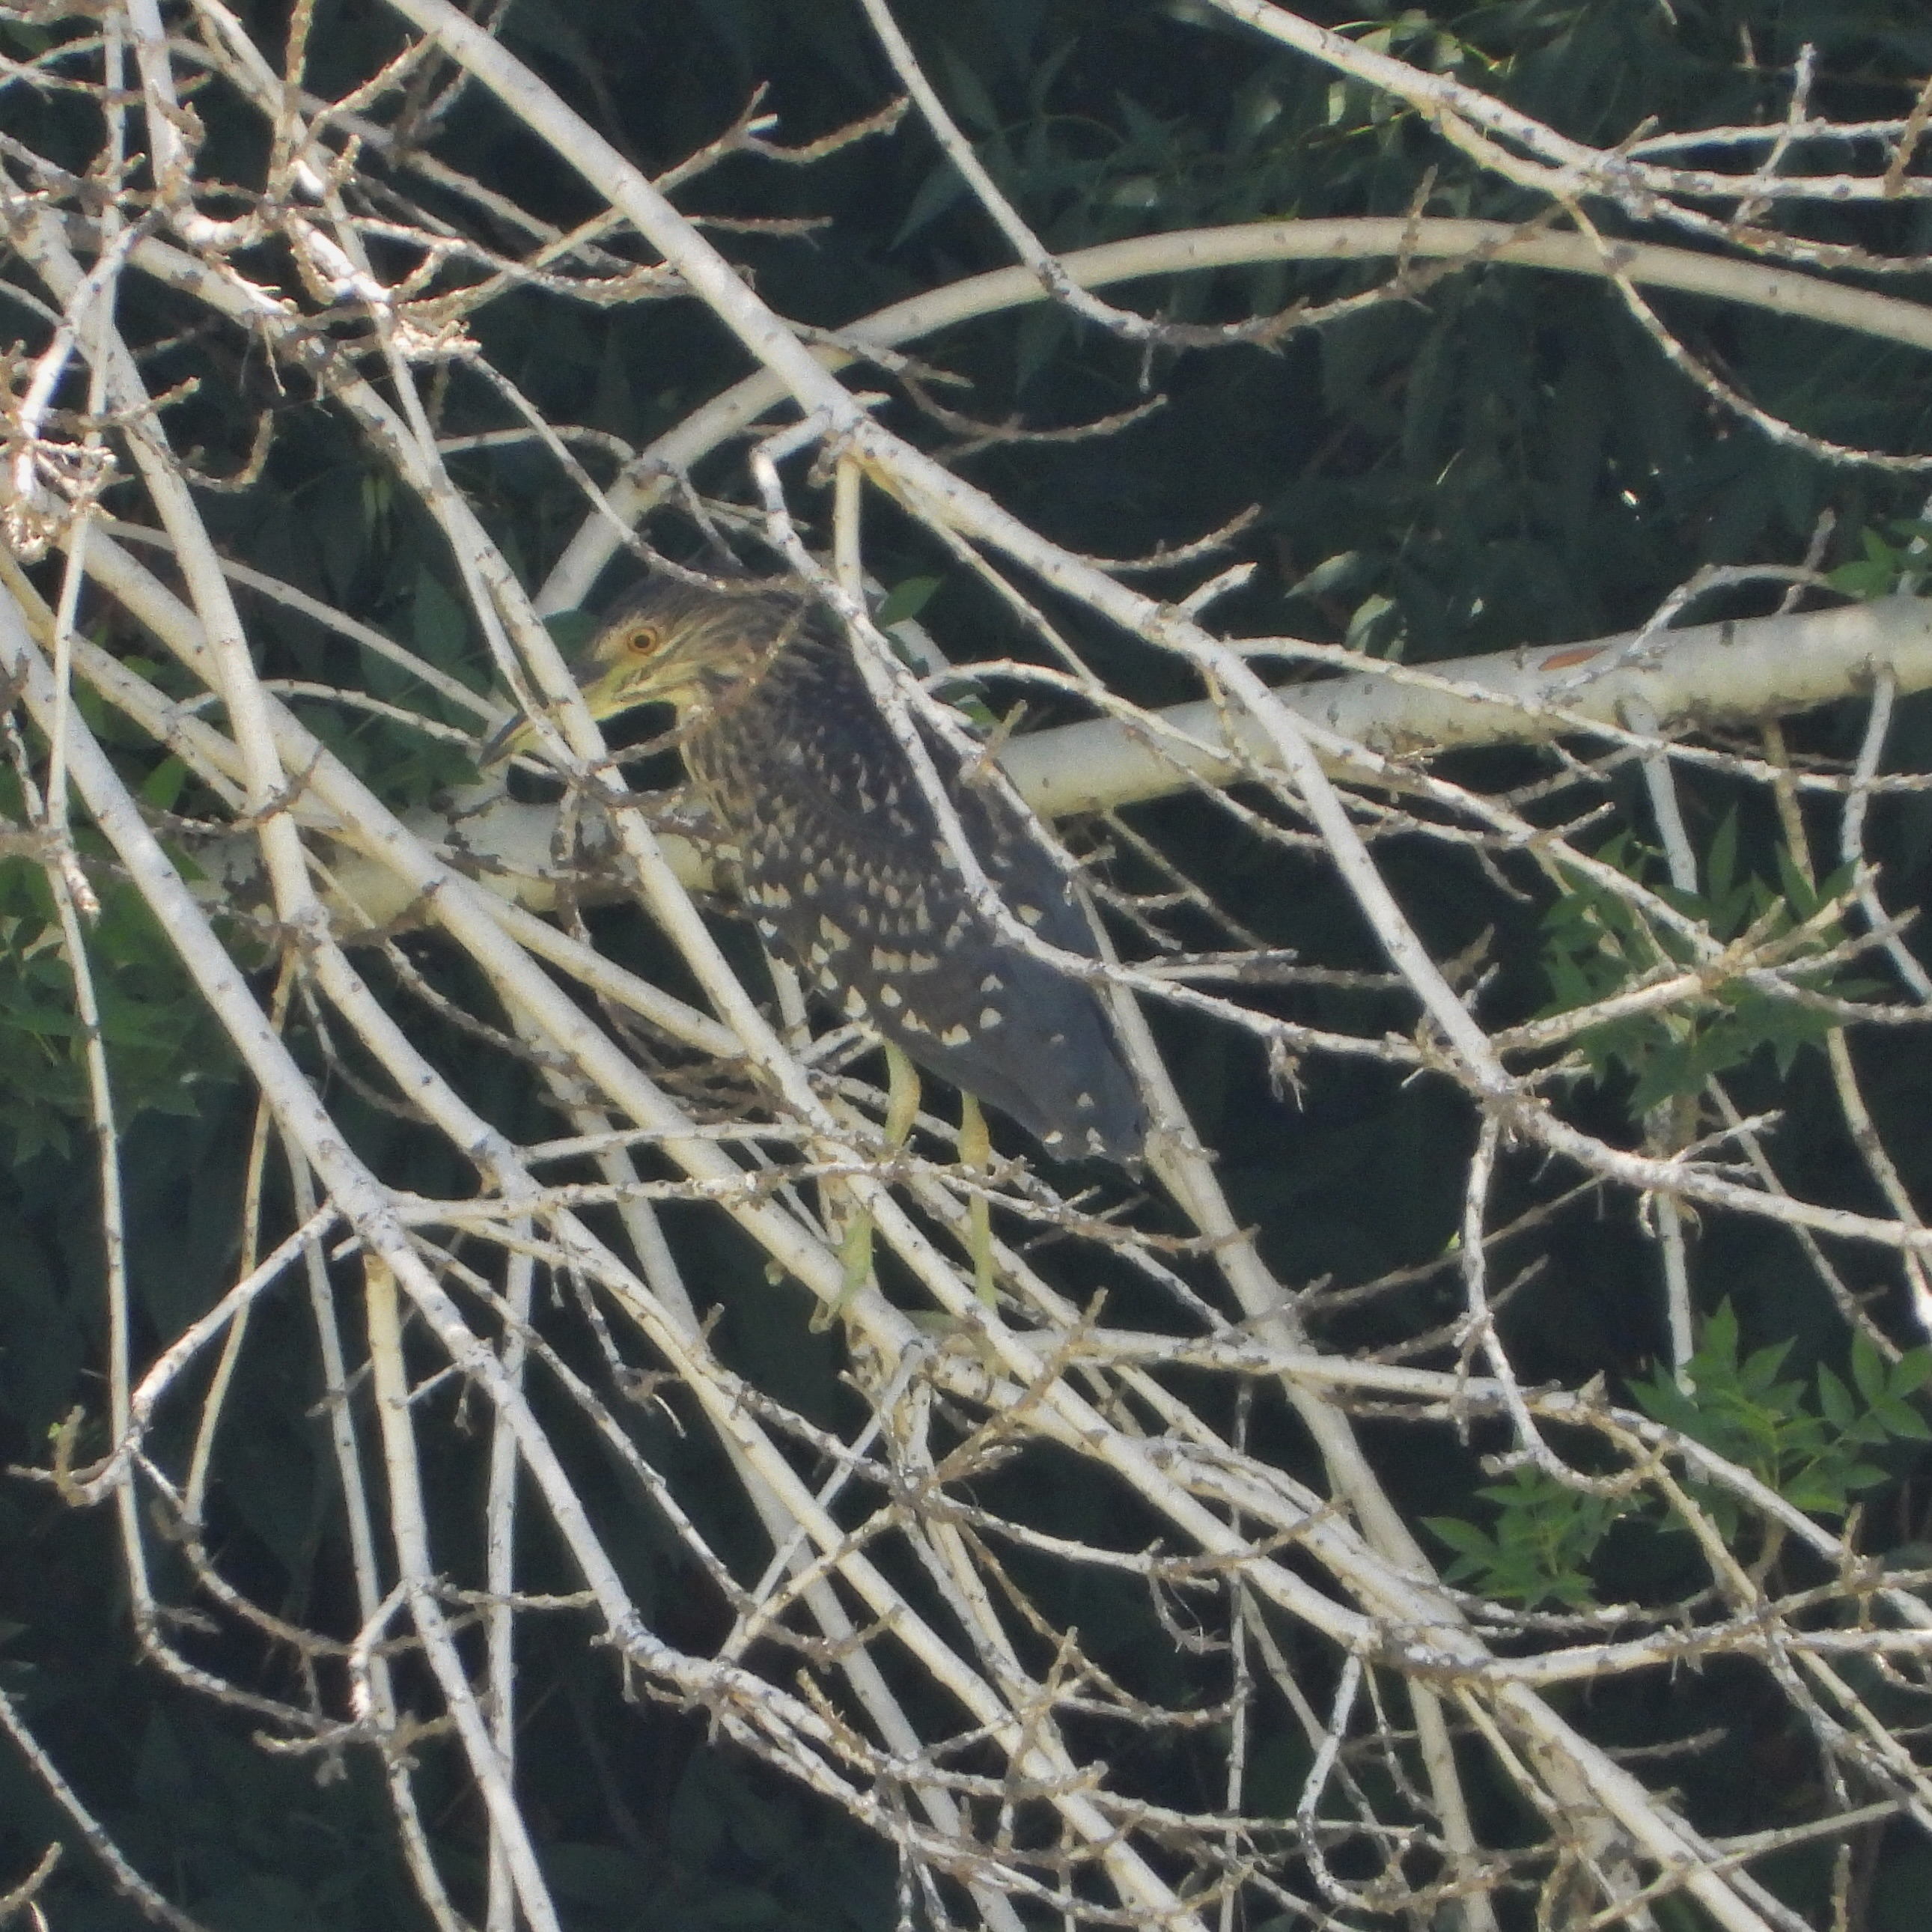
(513, 736)
(516, 734)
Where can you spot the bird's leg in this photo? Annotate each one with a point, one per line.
(976, 1151)
(855, 1251)
(901, 1097)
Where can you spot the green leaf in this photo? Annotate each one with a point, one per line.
(1911, 1371)
(1835, 1400)
(1663, 1401)
(438, 625)
(906, 599)
(162, 787)
(1803, 897)
(1333, 575)
(1901, 1419)
(971, 102)
(1368, 631)
(1760, 1368)
(1864, 581)
(1464, 1538)
(1868, 1369)
(937, 193)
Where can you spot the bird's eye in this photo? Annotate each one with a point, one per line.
(645, 642)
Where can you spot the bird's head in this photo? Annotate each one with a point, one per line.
(670, 642)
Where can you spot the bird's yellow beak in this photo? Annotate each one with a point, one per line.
(597, 678)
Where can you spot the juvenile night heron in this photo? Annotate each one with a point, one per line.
(844, 862)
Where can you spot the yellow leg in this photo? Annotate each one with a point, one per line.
(975, 1150)
(855, 1251)
(901, 1097)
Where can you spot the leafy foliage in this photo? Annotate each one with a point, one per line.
(1597, 945)
(161, 1048)
(1814, 1446)
(1893, 553)
(1545, 1535)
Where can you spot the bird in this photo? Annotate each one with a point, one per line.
(845, 867)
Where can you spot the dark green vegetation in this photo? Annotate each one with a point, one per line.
(1505, 460)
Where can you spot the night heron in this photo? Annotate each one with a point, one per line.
(844, 862)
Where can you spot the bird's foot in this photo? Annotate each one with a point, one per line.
(855, 1269)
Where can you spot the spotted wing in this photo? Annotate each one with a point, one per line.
(846, 866)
